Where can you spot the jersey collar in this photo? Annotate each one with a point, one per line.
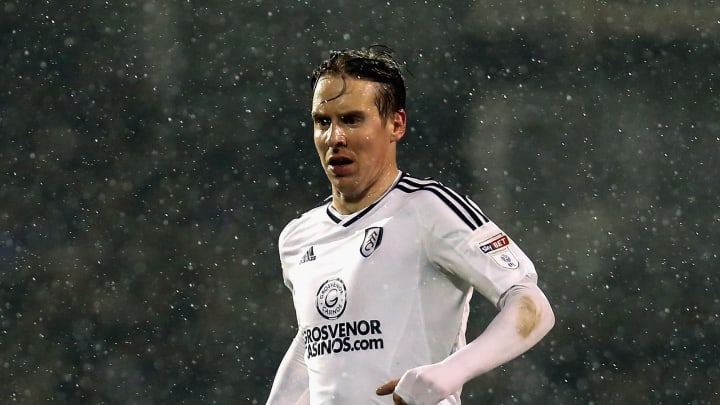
(347, 220)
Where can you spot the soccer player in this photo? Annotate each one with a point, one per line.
(382, 272)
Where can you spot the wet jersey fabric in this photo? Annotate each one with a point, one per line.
(387, 288)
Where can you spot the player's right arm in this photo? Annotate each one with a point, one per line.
(291, 381)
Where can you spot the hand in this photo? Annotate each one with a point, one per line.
(389, 388)
(428, 385)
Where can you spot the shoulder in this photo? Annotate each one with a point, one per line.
(303, 221)
(432, 198)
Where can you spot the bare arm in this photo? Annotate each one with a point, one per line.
(291, 381)
(525, 317)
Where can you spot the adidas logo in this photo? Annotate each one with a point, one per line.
(309, 256)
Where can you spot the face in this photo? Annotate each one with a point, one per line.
(357, 147)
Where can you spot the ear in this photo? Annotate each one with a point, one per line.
(399, 124)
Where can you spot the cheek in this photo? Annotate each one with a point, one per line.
(319, 142)
(321, 147)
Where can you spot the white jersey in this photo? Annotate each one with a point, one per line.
(387, 288)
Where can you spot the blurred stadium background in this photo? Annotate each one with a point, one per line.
(152, 151)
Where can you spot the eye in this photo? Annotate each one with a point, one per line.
(351, 119)
(322, 121)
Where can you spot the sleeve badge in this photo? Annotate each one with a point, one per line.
(498, 248)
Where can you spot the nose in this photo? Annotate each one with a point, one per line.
(337, 136)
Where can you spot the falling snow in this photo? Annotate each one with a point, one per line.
(153, 152)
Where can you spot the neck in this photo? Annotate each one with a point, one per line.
(348, 204)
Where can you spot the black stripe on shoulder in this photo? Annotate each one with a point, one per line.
(462, 206)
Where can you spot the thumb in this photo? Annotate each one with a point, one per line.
(388, 387)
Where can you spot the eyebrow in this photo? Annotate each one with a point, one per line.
(315, 115)
(356, 113)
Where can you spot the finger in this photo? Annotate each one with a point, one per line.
(388, 388)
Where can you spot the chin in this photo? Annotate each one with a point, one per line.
(345, 186)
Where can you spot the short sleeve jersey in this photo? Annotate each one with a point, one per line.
(387, 288)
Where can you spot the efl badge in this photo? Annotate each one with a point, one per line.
(498, 247)
(331, 298)
(373, 237)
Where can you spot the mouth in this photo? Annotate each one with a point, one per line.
(340, 165)
(337, 161)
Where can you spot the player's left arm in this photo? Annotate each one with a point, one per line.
(525, 317)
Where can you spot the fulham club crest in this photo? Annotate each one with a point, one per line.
(373, 237)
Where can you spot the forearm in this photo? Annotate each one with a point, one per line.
(525, 317)
(291, 381)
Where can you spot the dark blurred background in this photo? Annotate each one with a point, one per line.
(152, 151)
